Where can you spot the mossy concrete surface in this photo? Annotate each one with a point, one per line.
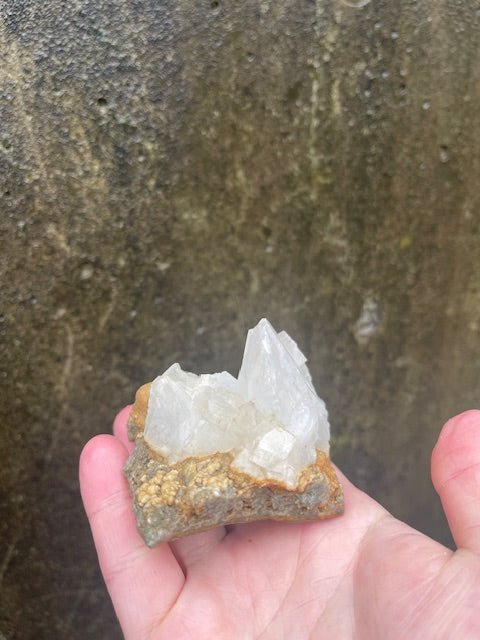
(173, 171)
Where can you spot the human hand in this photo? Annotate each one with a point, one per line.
(362, 575)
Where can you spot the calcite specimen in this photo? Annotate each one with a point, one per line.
(214, 449)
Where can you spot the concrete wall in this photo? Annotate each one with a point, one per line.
(173, 171)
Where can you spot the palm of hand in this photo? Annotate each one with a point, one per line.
(363, 575)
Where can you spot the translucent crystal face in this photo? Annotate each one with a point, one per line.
(270, 417)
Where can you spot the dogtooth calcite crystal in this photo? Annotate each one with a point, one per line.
(213, 449)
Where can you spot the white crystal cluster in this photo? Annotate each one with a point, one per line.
(270, 417)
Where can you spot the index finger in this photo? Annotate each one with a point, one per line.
(120, 428)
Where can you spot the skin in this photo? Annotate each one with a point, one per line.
(364, 575)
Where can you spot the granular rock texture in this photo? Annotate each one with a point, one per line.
(197, 493)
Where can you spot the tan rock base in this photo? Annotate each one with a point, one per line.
(198, 493)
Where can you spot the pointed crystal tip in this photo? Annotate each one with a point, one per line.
(270, 418)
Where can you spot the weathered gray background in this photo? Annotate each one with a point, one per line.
(173, 171)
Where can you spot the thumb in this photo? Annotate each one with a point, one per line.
(456, 477)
